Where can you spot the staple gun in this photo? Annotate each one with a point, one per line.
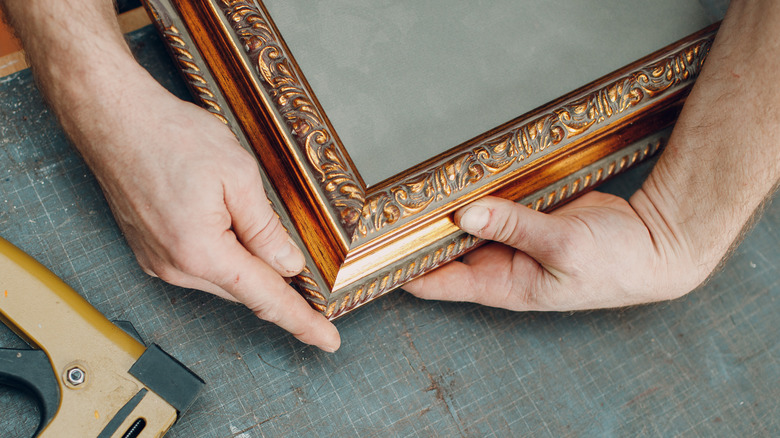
(90, 377)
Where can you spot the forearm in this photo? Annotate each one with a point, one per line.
(723, 158)
(80, 60)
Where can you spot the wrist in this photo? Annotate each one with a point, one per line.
(681, 264)
(92, 96)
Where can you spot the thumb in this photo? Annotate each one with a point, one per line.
(259, 229)
(510, 223)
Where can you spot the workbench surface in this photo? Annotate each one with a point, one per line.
(704, 365)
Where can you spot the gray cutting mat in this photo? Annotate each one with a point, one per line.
(705, 365)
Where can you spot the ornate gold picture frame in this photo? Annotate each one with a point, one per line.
(364, 241)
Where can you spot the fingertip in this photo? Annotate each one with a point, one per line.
(330, 339)
(313, 328)
(333, 345)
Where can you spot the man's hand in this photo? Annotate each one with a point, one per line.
(595, 252)
(720, 164)
(187, 196)
(191, 204)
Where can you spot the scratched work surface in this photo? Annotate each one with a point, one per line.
(705, 365)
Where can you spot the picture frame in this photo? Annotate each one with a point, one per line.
(362, 241)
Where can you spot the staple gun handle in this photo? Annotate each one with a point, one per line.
(30, 371)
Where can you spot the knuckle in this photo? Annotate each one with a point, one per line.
(146, 265)
(267, 312)
(529, 299)
(510, 231)
(191, 258)
(149, 271)
(195, 266)
(541, 294)
(266, 231)
(476, 290)
(247, 167)
(245, 170)
(167, 273)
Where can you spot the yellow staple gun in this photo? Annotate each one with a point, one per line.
(90, 377)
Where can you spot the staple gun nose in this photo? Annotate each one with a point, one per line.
(90, 377)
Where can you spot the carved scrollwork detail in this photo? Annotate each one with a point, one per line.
(528, 139)
(293, 101)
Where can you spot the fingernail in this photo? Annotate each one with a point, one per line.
(333, 340)
(474, 219)
(331, 346)
(290, 258)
